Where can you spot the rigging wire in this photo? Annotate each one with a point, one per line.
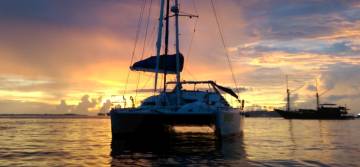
(223, 43)
(135, 43)
(190, 74)
(191, 40)
(144, 45)
(147, 81)
(298, 88)
(195, 8)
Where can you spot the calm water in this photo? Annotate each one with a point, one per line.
(266, 142)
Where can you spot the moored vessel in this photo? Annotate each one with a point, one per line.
(176, 106)
(322, 111)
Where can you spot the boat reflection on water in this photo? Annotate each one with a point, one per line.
(178, 149)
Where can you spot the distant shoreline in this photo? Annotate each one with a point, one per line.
(70, 115)
(49, 116)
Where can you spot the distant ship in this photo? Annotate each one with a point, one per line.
(177, 106)
(322, 111)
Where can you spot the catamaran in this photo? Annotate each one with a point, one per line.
(178, 106)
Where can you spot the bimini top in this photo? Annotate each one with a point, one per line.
(212, 83)
(167, 64)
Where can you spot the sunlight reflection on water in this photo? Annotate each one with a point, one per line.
(266, 142)
(303, 142)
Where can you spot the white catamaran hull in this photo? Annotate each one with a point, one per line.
(229, 123)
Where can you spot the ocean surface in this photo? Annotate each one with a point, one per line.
(265, 142)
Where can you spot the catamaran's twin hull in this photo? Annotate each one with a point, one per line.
(125, 123)
(229, 123)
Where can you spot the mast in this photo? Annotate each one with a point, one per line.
(288, 95)
(317, 96)
(158, 42)
(175, 9)
(166, 36)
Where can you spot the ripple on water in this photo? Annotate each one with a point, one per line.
(266, 142)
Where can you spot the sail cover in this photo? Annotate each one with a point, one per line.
(227, 90)
(167, 64)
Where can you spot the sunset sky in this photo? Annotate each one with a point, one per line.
(74, 55)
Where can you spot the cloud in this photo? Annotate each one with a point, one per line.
(334, 98)
(105, 108)
(82, 14)
(311, 88)
(300, 46)
(293, 100)
(241, 89)
(341, 75)
(297, 19)
(25, 107)
(85, 105)
(65, 49)
(56, 53)
(340, 84)
(264, 76)
(63, 107)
